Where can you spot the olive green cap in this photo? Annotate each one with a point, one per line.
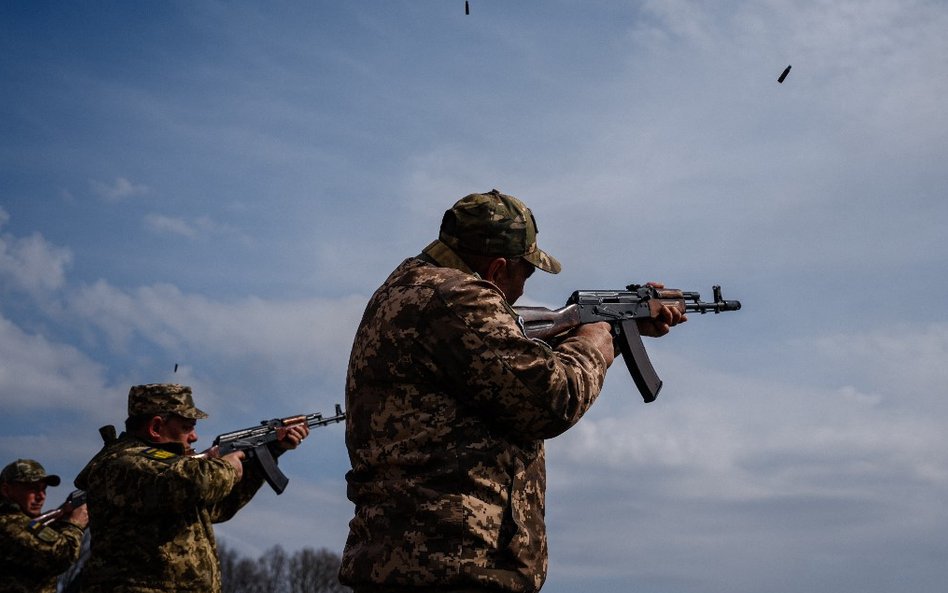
(495, 224)
(27, 471)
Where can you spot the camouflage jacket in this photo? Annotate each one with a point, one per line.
(32, 556)
(448, 404)
(151, 508)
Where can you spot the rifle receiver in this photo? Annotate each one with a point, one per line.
(621, 309)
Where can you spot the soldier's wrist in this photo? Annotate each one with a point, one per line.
(67, 524)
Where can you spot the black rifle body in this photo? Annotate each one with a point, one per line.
(621, 309)
(255, 443)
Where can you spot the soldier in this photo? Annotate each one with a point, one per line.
(33, 554)
(153, 504)
(448, 404)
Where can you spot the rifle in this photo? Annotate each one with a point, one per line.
(76, 499)
(621, 309)
(254, 442)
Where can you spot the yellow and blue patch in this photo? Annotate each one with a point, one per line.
(43, 532)
(159, 454)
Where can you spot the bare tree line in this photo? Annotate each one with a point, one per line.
(276, 571)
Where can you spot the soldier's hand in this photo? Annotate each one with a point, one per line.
(236, 459)
(599, 335)
(289, 437)
(79, 516)
(212, 452)
(656, 327)
(668, 317)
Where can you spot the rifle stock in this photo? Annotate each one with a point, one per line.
(542, 323)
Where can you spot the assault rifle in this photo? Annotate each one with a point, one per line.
(76, 499)
(255, 441)
(621, 308)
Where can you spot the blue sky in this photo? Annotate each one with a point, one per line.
(221, 186)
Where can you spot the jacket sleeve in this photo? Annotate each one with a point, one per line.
(175, 485)
(38, 549)
(239, 496)
(520, 384)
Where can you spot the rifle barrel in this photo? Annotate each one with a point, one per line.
(715, 307)
(718, 305)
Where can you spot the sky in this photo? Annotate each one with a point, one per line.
(218, 187)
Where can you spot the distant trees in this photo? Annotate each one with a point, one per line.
(305, 571)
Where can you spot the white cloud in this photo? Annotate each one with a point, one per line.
(775, 470)
(165, 224)
(297, 336)
(905, 362)
(38, 374)
(875, 408)
(118, 190)
(31, 263)
(193, 228)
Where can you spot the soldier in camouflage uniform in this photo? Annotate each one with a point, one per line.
(32, 554)
(153, 503)
(448, 404)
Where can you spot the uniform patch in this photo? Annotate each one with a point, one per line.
(42, 532)
(158, 454)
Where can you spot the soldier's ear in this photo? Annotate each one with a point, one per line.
(154, 428)
(495, 270)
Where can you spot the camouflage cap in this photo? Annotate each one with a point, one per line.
(27, 470)
(495, 224)
(162, 398)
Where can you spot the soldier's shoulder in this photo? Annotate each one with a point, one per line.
(19, 527)
(135, 454)
(414, 271)
(160, 454)
(44, 533)
(471, 293)
(12, 520)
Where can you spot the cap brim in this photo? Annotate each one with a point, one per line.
(544, 261)
(193, 414)
(52, 480)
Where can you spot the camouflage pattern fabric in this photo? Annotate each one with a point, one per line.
(151, 510)
(163, 398)
(495, 224)
(32, 556)
(448, 404)
(28, 470)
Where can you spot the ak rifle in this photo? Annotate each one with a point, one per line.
(622, 309)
